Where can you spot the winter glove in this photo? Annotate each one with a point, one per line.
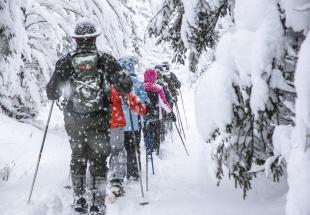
(173, 117)
(166, 79)
(148, 107)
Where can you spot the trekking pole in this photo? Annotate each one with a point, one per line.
(143, 124)
(181, 139)
(136, 151)
(40, 153)
(160, 136)
(148, 153)
(183, 108)
(178, 120)
(149, 157)
(147, 170)
(181, 123)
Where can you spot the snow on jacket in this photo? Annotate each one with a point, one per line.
(138, 89)
(118, 117)
(150, 86)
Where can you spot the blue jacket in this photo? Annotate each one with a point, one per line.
(138, 89)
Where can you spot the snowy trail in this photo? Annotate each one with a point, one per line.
(181, 185)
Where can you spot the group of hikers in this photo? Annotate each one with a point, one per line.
(105, 109)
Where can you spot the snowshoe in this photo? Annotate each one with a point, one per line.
(80, 206)
(97, 210)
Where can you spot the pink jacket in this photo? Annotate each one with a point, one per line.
(150, 77)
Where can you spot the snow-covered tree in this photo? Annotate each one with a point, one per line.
(189, 26)
(250, 91)
(21, 73)
(35, 33)
(295, 147)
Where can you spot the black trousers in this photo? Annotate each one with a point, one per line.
(89, 145)
(130, 142)
(153, 130)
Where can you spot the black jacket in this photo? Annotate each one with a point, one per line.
(64, 69)
(117, 77)
(152, 107)
(173, 80)
(172, 85)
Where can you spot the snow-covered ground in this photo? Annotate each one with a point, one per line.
(182, 185)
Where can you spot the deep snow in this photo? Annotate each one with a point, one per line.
(181, 186)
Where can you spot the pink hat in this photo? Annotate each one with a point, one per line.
(150, 76)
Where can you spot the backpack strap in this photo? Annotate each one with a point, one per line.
(70, 56)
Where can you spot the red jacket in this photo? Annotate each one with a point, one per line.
(118, 117)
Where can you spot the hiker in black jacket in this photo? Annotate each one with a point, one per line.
(88, 76)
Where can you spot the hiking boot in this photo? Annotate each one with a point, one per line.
(99, 209)
(116, 188)
(80, 205)
(133, 177)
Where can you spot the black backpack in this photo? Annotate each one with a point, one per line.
(89, 89)
(152, 107)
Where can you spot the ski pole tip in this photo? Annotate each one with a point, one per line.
(143, 203)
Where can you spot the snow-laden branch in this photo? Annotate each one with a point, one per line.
(304, 8)
(35, 23)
